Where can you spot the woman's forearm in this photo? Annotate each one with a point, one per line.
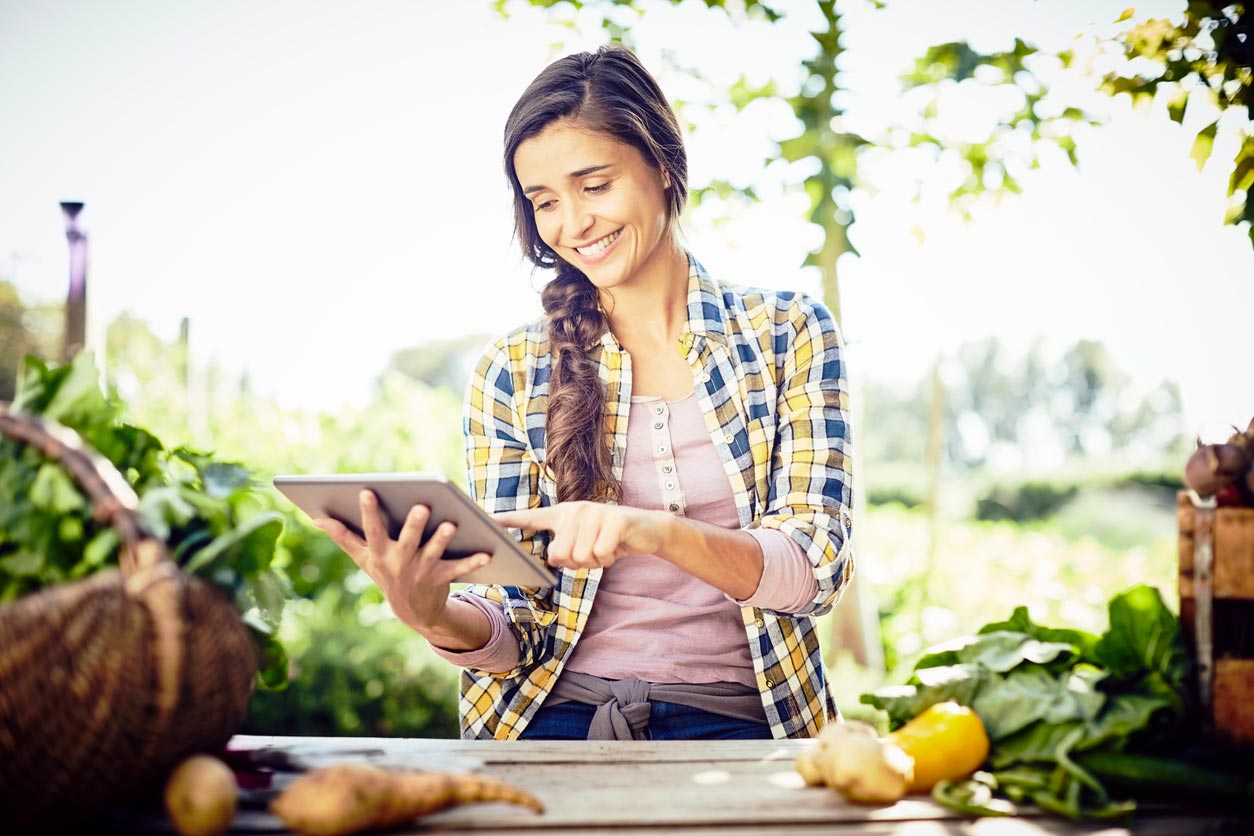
(462, 626)
(730, 560)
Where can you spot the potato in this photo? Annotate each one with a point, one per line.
(200, 796)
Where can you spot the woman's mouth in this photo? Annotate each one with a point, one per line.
(597, 249)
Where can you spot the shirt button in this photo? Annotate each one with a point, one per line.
(666, 468)
(674, 507)
(729, 438)
(670, 485)
(658, 425)
(759, 622)
(657, 410)
(705, 378)
(662, 448)
(770, 683)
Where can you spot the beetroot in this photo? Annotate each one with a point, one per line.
(1224, 471)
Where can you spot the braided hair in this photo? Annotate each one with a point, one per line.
(610, 92)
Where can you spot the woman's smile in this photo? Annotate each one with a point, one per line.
(599, 250)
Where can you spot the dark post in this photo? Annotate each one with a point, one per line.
(76, 300)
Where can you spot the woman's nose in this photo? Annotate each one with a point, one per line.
(578, 219)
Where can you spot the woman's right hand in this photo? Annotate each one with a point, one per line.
(412, 575)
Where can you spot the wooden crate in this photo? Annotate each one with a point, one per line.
(1229, 625)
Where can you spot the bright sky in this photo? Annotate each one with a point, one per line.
(318, 184)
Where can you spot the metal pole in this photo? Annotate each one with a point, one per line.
(76, 299)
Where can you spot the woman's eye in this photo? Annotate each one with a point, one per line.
(598, 189)
(545, 206)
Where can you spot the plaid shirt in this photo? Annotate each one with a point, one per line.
(771, 381)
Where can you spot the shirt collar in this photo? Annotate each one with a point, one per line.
(706, 317)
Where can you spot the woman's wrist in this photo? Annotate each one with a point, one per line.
(458, 626)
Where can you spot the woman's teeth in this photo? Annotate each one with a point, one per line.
(593, 249)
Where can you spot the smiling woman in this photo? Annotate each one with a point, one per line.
(675, 446)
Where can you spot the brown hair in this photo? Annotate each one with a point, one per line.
(610, 92)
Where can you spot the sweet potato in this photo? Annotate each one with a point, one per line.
(350, 798)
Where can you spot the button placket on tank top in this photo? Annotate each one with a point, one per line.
(664, 457)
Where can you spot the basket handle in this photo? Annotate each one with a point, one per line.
(113, 503)
(151, 574)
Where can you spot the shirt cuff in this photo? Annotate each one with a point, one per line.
(501, 653)
(788, 581)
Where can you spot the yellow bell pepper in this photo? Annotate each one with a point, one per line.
(947, 741)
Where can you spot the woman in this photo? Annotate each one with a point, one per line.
(677, 447)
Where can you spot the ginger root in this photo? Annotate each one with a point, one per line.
(350, 798)
(852, 760)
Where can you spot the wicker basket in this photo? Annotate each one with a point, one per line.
(106, 683)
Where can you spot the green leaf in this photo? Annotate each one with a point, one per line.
(101, 549)
(1125, 15)
(1036, 743)
(266, 594)
(1203, 143)
(54, 491)
(1032, 693)
(1021, 622)
(22, 563)
(959, 683)
(1124, 715)
(1144, 636)
(272, 661)
(248, 548)
(1177, 105)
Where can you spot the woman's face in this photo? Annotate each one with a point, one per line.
(597, 203)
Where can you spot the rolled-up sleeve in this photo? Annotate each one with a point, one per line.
(811, 479)
(504, 475)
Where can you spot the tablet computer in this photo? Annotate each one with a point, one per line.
(336, 495)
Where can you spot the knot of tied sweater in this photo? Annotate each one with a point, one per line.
(623, 706)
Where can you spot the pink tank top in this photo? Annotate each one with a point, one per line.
(651, 620)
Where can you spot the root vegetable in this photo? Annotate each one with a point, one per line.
(851, 759)
(200, 796)
(351, 798)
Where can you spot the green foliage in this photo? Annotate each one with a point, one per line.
(1064, 572)
(1046, 695)
(992, 160)
(23, 330)
(357, 671)
(1210, 51)
(206, 511)
(1034, 500)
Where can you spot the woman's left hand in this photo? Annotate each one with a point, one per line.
(591, 535)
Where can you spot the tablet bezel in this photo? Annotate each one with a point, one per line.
(336, 495)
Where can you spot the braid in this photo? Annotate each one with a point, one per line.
(578, 451)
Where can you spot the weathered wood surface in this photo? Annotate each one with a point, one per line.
(730, 788)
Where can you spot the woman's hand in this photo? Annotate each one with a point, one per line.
(412, 575)
(590, 535)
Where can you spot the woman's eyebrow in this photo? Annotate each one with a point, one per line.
(574, 175)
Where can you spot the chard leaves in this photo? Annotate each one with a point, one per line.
(1044, 693)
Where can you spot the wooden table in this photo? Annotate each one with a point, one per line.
(641, 788)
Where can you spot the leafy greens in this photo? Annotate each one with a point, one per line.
(1046, 696)
(206, 511)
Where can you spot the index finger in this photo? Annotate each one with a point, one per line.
(530, 519)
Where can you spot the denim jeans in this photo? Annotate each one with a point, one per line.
(667, 721)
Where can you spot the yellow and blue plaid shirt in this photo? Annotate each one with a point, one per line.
(770, 378)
